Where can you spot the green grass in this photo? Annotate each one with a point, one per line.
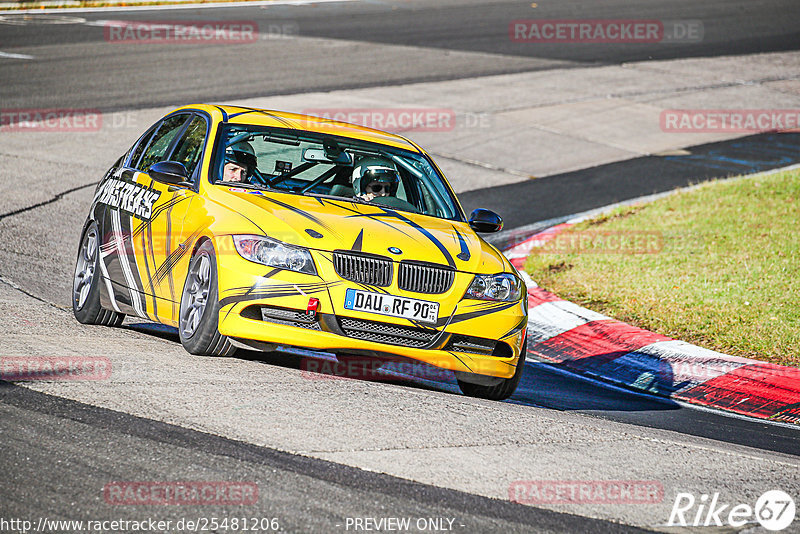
(716, 266)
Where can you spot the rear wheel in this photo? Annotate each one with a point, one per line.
(501, 391)
(86, 283)
(199, 312)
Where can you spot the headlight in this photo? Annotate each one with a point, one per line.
(504, 287)
(274, 253)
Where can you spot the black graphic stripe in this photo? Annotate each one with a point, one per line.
(300, 212)
(359, 241)
(175, 256)
(355, 213)
(303, 285)
(517, 329)
(250, 290)
(149, 275)
(180, 252)
(169, 204)
(269, 293)
(127, 225)
(454, 355)
(273, 272)
(486, 311)
(377, 218)
(426, 233)
(464, 255)
(168, 264)
(391, 213)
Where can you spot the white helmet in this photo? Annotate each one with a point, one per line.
(374, 169)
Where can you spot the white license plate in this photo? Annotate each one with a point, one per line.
(391, 305)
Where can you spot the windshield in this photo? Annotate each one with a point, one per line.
(306, 163)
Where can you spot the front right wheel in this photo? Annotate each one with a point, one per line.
(500, 391)
(199, 311)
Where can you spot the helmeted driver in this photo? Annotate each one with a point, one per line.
(375, 177)
(240, 162)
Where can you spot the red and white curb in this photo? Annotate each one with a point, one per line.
(593, 345)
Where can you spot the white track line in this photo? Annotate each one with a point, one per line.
(9, 55)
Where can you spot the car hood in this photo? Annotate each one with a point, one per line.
(327, 224)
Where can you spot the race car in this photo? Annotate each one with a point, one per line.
(249, 228)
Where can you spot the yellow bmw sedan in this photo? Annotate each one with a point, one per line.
(261, 229)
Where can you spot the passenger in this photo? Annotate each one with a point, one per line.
(375, 177)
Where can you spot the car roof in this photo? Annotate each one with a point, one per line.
(296, 121)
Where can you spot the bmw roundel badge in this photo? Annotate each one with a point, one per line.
(395, 250)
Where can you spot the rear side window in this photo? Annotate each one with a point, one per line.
(190, 145)
(143, 142)
(161, 141)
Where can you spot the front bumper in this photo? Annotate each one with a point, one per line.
(261, 304)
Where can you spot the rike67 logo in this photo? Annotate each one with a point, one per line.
(774, 511)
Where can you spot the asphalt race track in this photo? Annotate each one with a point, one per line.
(324, 451)
(348, 45)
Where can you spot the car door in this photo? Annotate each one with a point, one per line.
(170, 250)
(143, 224)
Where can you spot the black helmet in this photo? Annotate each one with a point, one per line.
(241, 153)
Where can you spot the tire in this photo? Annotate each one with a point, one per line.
(86, 283)
(198, 321)
(501, 391)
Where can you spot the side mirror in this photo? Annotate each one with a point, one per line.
(169, 172)
(486, 221)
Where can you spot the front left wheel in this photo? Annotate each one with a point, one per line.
(86, 283)
(198, 322)
(504, 389)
